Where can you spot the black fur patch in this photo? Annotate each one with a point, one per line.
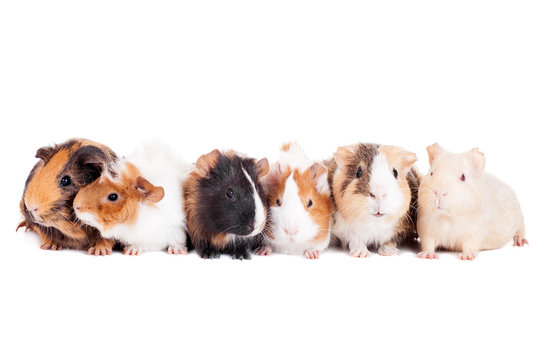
(362, 157)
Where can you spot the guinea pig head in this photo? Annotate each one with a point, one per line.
(370, 182)
(452, 183)
(300, 203)
(55, 180)
(107, 202)
(229, 196)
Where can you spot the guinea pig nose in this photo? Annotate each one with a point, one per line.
(36, 209)
(372, 195)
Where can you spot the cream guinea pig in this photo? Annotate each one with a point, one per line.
(374, 189)
(300, 205)
(464, 208)
(141, 206)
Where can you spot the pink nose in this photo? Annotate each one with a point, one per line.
(35, 210)
(378, 196)
(290, 232)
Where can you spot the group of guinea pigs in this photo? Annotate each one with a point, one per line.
(81, 195)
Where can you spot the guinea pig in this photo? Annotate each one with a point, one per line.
(133, 211)
(225, 204)
(47, 203)
(374, 190)
(463, 208)
(300, 205)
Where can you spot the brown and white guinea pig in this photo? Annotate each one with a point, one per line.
(374, 189)
(300, 205)
(464, 208)
(225, 204)
(129, 208)
(47, 203)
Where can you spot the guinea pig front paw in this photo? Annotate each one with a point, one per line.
(99, 250)
(177, 250)
(263, 250)
(360, 253)
(312, 254)
(241, 255)
(388, 250)
(519, 241)
(132, 250)
(210, 254)
(427, 255)
(467, 256)
(50, 246)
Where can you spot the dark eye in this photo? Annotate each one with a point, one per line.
(230, 193)
(278, 202)
(359, 172)
(395, 173)
(113, 197)
(462, 178)
(431, 173)
(65, 181)
(310, 203)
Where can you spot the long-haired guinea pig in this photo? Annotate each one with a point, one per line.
(129, 208)
(47, 203)
(300, 205)
(464, 208)
(374, 189)
(225, 204)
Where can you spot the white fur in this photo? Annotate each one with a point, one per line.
(368, 229)
(260, 213)
(160, 225)
(477, 214)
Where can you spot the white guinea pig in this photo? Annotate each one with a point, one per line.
(463, 208)
(141, 206)
(300, 205)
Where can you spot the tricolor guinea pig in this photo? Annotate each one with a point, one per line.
(464, 208)
(225, 204)
(141, 205)
(374, 189)
(53, 183)
(300, 205)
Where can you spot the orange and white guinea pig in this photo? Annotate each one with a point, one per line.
(300, 205)
(464, 208)
(374, 188)
(141, 206)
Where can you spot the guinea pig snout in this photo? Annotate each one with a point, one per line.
(439, 198)
(291, 232)
(34, 211)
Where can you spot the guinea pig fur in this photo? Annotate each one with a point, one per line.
(300, 205)
(463, 208)
(225, 204)
(131, 209)
(374, 190)
(47, 203)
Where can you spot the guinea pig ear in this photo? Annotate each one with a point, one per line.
(208, 161)
(320, 174)
(408, 159)
(343, 155)
(150, 192)
(90, 160)
(433, 152)
(478, 160)
(45, 152)
(262, 167)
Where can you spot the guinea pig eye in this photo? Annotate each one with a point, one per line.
(395, 173)
(278, 202)
(230, 193)
(462, 178)
(310, 203)
(113, 197)
(359, 172)
(431, 174)
(65, 181)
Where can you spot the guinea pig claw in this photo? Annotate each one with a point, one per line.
(427, 255)
(132, 251)
(468, 256)
(177, 250)
(312, 254)
(360, 253)
(263, 250)
(519, 241)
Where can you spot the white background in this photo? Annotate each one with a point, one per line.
(249, 75)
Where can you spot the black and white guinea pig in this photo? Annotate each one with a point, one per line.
(225, 204)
